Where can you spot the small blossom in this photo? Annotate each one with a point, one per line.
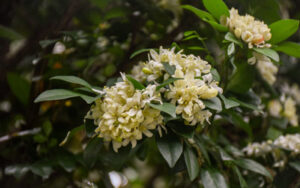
(275, 108)
(251, 31)
(290, 111)
(123, 116)
(265, 66)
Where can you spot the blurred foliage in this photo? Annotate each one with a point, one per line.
(48, 145)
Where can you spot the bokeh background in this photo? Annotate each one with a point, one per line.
(92, 39)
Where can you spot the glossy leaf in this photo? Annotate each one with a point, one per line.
(139, 52)
(72, 79)
(230, 37)
(170, 148)
(216, 7)
(211, 178)
(191, 162)
(289, 48)
(200, 13)
(242, 181)
(283, 29)
(60, 94)
(253, 166)
(228, 103)
(165, 107)
(213, 103)
(170, 69)
(268, 52)
(167, 82)
(135, 83)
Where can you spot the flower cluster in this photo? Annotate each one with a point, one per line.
(265, 66)
(251, 31)
(123, 116)
(289, 142)
(284, 108)
(195, 82)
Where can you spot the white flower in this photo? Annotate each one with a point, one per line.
(185, 63)
(187, 94)
(123, 116)
(137, 72)
(290, 111)
(258, 149)
(251, 31)
(265, 66)
(275, 108)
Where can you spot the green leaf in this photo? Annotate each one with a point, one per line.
(182, 130)
(241, 81)
(202, 148)
(246, 105)
(19, 87)
(268, 52)
(196, 48)
(167, 82)
(10, 34)
(60, 94)
(289, 48)
(191, 163)
(213, 103)
(170, 69)
(200, 13)
(224, 155)
(47, 127)
(273, 133)
(139, 52)
(228, 103)
(135, 83)
(41, 169)
(242, 181)
(295, 165)
(165, 107)
(230, 37)
(216, 7)
(212, 178)
(217, 26)
(90, 154)
(73, 80)
(253, 166)
(215, 74)
(170, 148)
(230, 49)
(239, 121)
(283, 29)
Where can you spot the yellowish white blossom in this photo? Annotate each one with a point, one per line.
(154, 68)
(290, 111)
(293, 91)
(137, 72)
(251, 31)
(275, 108)
(289, 142)
(123, 116)
(187, 94)
(258, 149)
(265, 66)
